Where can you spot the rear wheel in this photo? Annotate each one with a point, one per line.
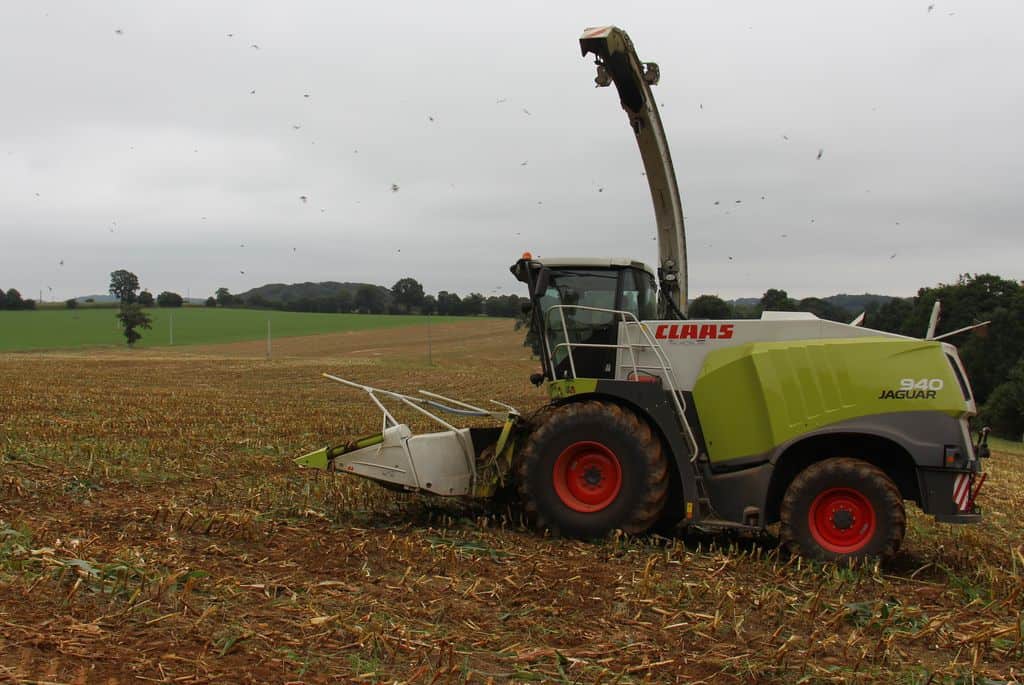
(842, 509)
(590, 468)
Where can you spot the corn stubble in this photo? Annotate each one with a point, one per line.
(152, 526)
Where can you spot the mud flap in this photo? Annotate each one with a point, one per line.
(949, 494)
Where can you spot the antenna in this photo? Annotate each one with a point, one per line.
(933, 321)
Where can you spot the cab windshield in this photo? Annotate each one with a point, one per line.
(623, 289)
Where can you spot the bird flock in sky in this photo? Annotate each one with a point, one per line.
(432, 118)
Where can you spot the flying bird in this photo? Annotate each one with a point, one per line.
(305, 95)
(231, 35)
(821, 151)
(120, 32)
(500, 100)
(252, 92)
(242, 245)
(304, 198)
(394, 187)
(62, 262)
(430, 117)
(254, 46)
(600, 189)
(716, 202)
(526, 112)
(296, 126)
(931, 7)
(242, 272)
(892, 256)
(785, 137)
(739, 202)
(702, 106)
(524, 163)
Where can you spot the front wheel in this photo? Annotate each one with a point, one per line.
(590, 468)
(842, 509)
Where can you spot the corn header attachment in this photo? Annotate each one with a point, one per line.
(456, 461)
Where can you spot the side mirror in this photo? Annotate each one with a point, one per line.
(541, 286)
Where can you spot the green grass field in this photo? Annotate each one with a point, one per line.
(51, 329)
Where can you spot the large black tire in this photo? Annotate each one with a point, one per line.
(842, 509)
(590, 468)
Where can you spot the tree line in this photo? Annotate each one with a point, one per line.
(12, 299)
(406, 296)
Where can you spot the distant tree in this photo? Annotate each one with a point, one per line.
(370, 300)
(257, 300)
(211, 302)
(71, 303)
(505, 306)
(710, 307)
(169, 299)
(429, 305)
(823, 309)
(224, 297)
(14, 300)
(343, 301)
(28, 304)
(775, 300)
(448, 304)
(123, 285)
(1004, 410)
(889, 316)
(131, 317)
(3, 299)
(472, 305)
(407, 293)
(146, 298)
(89, 300)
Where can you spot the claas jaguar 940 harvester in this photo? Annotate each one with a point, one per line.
(658, 421)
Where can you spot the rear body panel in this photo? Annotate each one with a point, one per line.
(756, 397)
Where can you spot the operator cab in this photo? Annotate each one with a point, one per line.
(575, 301)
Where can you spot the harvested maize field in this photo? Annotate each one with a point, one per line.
(153, 528)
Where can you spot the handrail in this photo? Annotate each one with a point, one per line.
(627, 317)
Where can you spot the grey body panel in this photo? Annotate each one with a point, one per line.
(744, 482)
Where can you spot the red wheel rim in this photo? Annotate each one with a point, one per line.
(587, 476)
(841, 520)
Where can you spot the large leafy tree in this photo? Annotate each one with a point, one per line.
(1004, 410)
(370, 300)
(14, 300)
(448, 304)
(710, 307)
(123, 285)
(146, 298)
(132, 316)
(775, 300)
(169, 299)
(407, 293)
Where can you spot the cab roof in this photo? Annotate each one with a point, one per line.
(592, 263)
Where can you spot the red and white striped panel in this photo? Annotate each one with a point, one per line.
(962, 491)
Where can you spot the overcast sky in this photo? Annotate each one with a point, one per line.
(131, 138)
